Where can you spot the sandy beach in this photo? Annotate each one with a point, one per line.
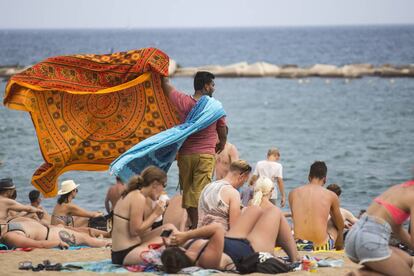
(9, 261)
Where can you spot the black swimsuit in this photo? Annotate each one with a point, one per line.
(235, 248)
(119, 256)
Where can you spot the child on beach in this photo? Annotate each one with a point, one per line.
(273, 170)
(367, 241)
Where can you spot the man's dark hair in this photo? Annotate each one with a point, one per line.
(202, 78)
(34, 195)
(335, 188)
(318, 170)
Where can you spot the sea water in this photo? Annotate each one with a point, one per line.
(362, 128)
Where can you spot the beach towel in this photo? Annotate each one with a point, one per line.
(106, 266)
(161, 149)
(89, 109)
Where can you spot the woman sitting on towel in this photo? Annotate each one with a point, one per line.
(262, 192)
(27, 232)
(367, 241)
(68, 213)
(133, 216)
(263, 189)
(256, 230)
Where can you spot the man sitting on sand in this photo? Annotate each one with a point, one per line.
(311, 205)
(7, 204)
(349, 218)
(220, 201)
(35, 200)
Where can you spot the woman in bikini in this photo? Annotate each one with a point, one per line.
(26, 232)
(133, 216)
(72, 216)
(256, 230)
(367, 241)
(68, 213)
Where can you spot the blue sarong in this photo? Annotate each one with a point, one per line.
(161, 149)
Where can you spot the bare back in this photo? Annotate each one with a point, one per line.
(114, 194)
(224, 159)
(399, 196)
(311, 206)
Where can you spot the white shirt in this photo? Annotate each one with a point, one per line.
(271, 170)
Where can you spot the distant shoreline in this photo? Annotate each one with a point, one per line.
(263, 69)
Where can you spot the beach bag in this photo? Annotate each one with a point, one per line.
(262, 262)
(101, 223)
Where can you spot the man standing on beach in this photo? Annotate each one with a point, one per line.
(273, 170)
(311, 205)
(225, 158)
(196, 157)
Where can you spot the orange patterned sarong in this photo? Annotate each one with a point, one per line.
(89, 109)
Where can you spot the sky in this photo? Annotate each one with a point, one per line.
(61, 14)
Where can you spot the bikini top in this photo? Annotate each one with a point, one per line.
(188, 244)
(398, 215)
(67, 220)
(13, 226)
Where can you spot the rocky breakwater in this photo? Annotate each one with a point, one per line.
(263, 69)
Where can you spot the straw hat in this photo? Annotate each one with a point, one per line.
(67, 187)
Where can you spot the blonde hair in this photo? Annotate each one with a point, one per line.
(262, 188)
(273, 151)
(240, 166)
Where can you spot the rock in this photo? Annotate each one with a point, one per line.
(357, 70)
(325, 70)
(172, 67)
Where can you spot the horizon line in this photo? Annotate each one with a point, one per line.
(215, 27)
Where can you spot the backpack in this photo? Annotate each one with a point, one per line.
(262, 262)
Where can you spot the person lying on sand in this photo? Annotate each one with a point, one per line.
(311, 205)
(26, 232)
(367, 241)
(211, 247)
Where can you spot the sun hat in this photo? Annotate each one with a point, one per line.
(67, 187)
(6, 184)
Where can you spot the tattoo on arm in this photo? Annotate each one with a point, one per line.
(68, 238)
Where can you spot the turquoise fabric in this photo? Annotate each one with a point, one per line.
(160, 150)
